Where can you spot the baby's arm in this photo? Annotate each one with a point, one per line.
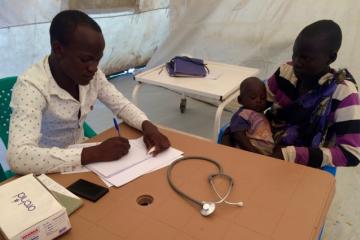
(243, 142)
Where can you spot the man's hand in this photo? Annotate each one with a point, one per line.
(277, 153)
(153, 138)
(109, 150)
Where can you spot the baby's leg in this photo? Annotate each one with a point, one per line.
(226, 140)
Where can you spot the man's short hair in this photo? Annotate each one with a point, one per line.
(64, 24)
(327, 30)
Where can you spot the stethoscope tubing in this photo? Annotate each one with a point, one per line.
(220, 173)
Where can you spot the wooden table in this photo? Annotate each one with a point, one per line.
(282, 200)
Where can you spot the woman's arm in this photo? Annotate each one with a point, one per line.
(345, 151)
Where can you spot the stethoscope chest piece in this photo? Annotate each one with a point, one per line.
(207, 208)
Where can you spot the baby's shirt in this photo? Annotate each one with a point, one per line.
(257, 129)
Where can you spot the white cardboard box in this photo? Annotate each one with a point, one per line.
(29, 211)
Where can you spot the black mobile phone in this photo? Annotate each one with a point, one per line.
(87, 190)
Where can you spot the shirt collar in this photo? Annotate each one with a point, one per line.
(288, 72)
(326, 78)
(55, 89)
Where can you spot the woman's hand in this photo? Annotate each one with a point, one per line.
(154, 138)
(277, 153)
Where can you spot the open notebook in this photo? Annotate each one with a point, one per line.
(134, 164)
(136, 155)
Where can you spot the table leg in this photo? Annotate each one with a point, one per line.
(219, 113)
(135, 93)
(183, 103)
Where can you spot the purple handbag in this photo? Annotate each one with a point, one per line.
(182, 66)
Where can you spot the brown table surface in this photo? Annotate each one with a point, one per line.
(282, 200)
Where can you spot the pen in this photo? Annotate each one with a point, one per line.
(116, 125)
(151, 150)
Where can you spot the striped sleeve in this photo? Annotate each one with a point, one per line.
(345, 130)
(281, 86)
(270, 96)
(346, 127)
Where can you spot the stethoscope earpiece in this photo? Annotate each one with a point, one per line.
(207, 208)
(239, 204)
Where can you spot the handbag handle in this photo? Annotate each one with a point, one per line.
(192, 60)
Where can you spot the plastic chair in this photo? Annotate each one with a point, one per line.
(221, 132)
(88, 131)
(2, 174)
(4, 168)
(6, 85)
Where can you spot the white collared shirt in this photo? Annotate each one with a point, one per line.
(44, 120)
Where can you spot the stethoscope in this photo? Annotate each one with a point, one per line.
(207, 207)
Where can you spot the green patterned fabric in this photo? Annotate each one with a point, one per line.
(88, 131)
(2, 174)
(6, 85)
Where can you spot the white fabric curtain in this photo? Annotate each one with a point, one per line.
(256, 33)
(24, 12)
(131, 35)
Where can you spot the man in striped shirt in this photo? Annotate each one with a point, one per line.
(315, 110)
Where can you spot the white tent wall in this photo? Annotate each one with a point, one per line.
(17, 12)
(256, 33)
(260, 33)
(131, 35)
